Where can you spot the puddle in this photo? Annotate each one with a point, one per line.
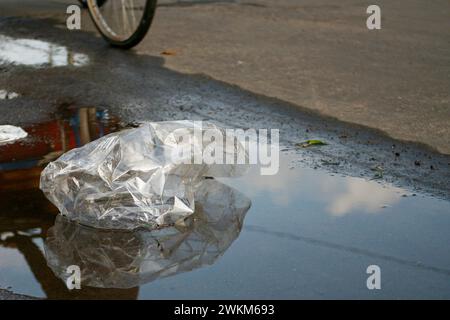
(124, 259)
(47, 140)
(308, 234)
(37, 53)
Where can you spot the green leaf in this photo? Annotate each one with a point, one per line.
(309, 143)
(378, 172)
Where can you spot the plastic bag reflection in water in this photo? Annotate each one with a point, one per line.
(130, 179)
(123, 259)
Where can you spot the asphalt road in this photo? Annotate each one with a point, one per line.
(318, 55)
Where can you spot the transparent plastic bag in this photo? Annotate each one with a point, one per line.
(139, 177)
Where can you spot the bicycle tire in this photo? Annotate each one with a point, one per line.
(84, 2)
(137, 35)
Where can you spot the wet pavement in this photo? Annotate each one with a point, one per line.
(311, 231)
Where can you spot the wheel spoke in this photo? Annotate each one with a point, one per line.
(119, 20)
(121, 17)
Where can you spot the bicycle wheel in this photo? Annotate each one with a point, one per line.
(123, 23)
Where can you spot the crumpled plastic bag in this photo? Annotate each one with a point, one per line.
(131, 179)
(123, 259)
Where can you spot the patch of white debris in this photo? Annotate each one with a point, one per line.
(6, 95)
(10, 134)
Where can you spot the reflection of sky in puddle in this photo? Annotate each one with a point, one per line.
(310, 234)
(340, 195)
(32, 52)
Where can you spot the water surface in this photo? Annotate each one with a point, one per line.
(308, 234)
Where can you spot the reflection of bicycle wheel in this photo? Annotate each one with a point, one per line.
(123, 23)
